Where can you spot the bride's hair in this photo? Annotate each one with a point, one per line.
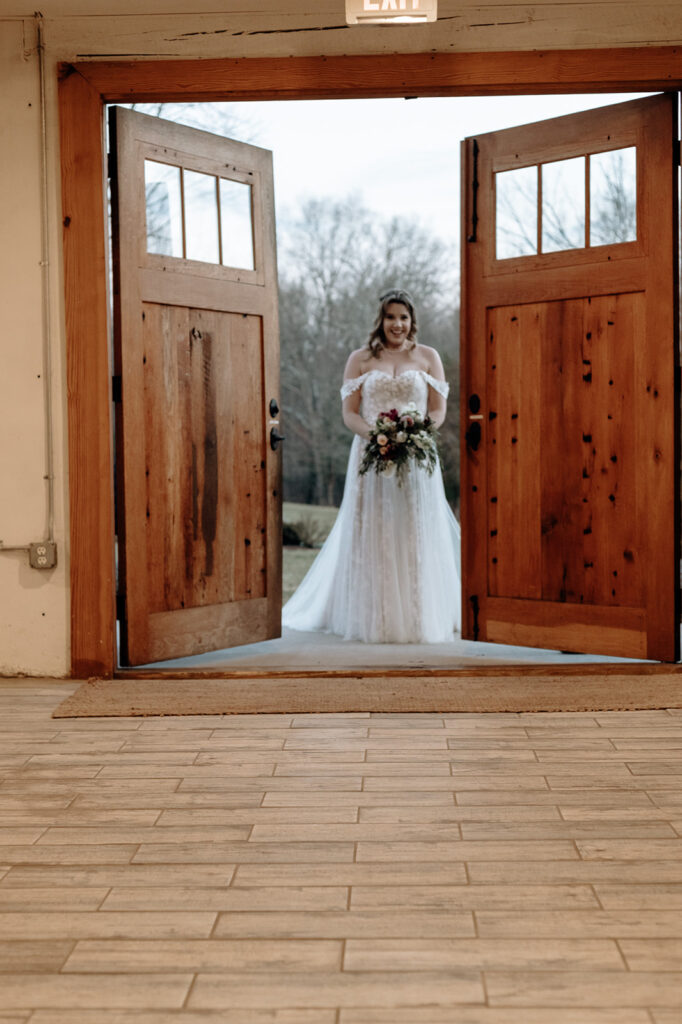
(377, 339)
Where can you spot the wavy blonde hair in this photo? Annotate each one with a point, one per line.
(377, 339)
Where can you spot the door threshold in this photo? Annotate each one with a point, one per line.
(510, 669)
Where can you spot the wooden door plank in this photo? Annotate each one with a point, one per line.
(560, 626)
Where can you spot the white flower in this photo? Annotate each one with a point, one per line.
(401, 437)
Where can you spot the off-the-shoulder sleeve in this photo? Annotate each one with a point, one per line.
(440, 386)
(351, 385)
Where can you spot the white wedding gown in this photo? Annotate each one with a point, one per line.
(389, 571)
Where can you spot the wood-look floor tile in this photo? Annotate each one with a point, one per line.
(420, 873)
(365, 924)
(58, 836)
(467, 851)
(636, 897)
(652, 954)
(580, 924)
(567, 830)
(107, 991)
(246, 853)
(161, 759)
(579, 872)
(412, 813)
(50, 899)
(340, 989)
(502, 782)
(223, 799)
(290, 816)
(630, 849)
(270, 783)
(619, 814)
(490, 1015)
(145, 925)
(183, 722)
(44, 957)
(128, 875)
(366, 832)
(224, 1016)
(289, 897)
(594, 797)
(75, 816)
(482, 955)
(384, 769)
(210, 955)
(93, 854)
(472, 897)
(585, 988)
(665, 798)
(665, 1016)
(17, 836)
(353, 798)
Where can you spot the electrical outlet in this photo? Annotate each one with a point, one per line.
(42, 554)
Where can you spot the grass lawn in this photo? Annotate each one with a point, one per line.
(318, 519)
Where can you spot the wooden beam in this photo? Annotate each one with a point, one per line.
(88, 379)
(625, 69)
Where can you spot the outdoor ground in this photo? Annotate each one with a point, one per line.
(316, 521)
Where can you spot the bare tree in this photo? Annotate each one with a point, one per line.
(337, 258)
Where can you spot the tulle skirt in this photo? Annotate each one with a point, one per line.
(389, 571)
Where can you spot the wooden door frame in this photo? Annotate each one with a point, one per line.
(85, 88)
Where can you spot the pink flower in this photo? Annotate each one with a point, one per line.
(407, 421)
(382, 440)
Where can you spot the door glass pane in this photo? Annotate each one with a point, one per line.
(613, 196)
(516, 221)
(163, 208)
(563, 205)
(201, 217)
(235, 224)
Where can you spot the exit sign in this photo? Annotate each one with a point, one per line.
(382, 12)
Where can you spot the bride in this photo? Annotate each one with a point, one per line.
(389, 569)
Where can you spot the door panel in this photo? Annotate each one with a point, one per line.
(196, 344)
(570, 489)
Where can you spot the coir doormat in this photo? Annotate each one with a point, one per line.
(398, 694)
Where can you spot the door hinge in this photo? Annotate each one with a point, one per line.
(473, 599)
(474, 194)
(116, 388)
(121, 607)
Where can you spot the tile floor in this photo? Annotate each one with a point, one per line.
(343, 869)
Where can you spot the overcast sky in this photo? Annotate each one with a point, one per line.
(401, 156)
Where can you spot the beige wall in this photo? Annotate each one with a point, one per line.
(34, 605)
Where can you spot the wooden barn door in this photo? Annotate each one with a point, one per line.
(570, 400)
(196, 364)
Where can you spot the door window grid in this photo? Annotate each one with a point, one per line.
(198, 216)
(568, 204)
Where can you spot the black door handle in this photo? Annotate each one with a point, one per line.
(275, 438)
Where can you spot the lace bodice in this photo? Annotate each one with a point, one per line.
(382, 391)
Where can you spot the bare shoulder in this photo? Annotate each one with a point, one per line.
(432, 360)
(357, 364)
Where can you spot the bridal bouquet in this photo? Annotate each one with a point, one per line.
(398, 438)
